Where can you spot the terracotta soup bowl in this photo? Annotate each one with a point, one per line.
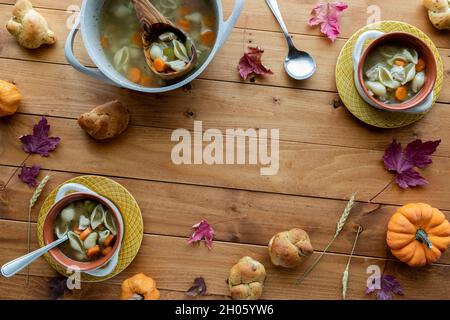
(398, 39)
(49, 233)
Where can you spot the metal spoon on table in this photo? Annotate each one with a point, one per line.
(11, 268)
(299, 65)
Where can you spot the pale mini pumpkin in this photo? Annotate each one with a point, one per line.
(418, 234)
(289, 248)
(246, 279)
(139, 287)
(9, 98)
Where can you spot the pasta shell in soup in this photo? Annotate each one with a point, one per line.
(121, 58)
(75, 243)
(410, 73)
(91, 240)
(180, 51)
(83, 222)
(385, 77)
(109, 222)
(377, 88)
(61, 229)
(418, 82)
(89, 206)
(102, 235)
(97, 217)
(68, 213)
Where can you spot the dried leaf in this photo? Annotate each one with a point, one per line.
(327, 16)
(57, 286)
(198, 289)
(403, 163)
(251, 63)
(203, 231)
(389, 286)
(29, 175)
(40, 142)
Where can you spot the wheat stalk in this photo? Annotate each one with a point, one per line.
(339, 226)
(33, 200)
(346, 273)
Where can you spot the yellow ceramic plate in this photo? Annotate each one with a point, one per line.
(131, 215)
(350, 96)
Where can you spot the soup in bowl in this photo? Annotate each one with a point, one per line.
(93, 229)
(110, 31)
(397, 71)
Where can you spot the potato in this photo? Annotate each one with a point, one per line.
(106, 121)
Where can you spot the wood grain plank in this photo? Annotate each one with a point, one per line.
(224, 65)
(145, 153)
(174, 266)
(256, 15)
(237, 216)
(15, 289)
(303, 116)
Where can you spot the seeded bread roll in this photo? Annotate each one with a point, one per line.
(246, 279)
(288, 248)
(439, 13)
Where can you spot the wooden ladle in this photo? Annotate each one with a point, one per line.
(153, 24)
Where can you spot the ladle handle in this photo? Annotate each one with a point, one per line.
(273, 5)
(11, 268)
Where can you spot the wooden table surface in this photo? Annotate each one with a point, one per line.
(325, 156)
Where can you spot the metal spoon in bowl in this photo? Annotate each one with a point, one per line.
(11, 268)
(299, 65)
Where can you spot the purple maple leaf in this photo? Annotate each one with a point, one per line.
(403, 163)
(202, 230)
(39, 142)
(198, 288)
(29, 175)
(389, 285)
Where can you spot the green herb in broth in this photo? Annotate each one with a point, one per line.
(120, 36)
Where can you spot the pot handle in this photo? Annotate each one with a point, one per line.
(229, 24)
(358, 49)
(70, 56)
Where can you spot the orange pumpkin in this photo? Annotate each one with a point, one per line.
(418, 234)
(139, 287)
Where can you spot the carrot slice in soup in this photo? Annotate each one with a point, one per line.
(137, 39)
(85, 233)
(146, 81)
(421, 65)
(401, 93)
(109, 239)
(207, 38)
(159, 65)
(134, 75)
(184, 24)
(184, 10)
(93, 251)
(209, 21)
(106, 251)
(400, 63)
(104, 42)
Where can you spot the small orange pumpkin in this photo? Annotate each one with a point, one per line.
(139, 287)
(418, 234)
